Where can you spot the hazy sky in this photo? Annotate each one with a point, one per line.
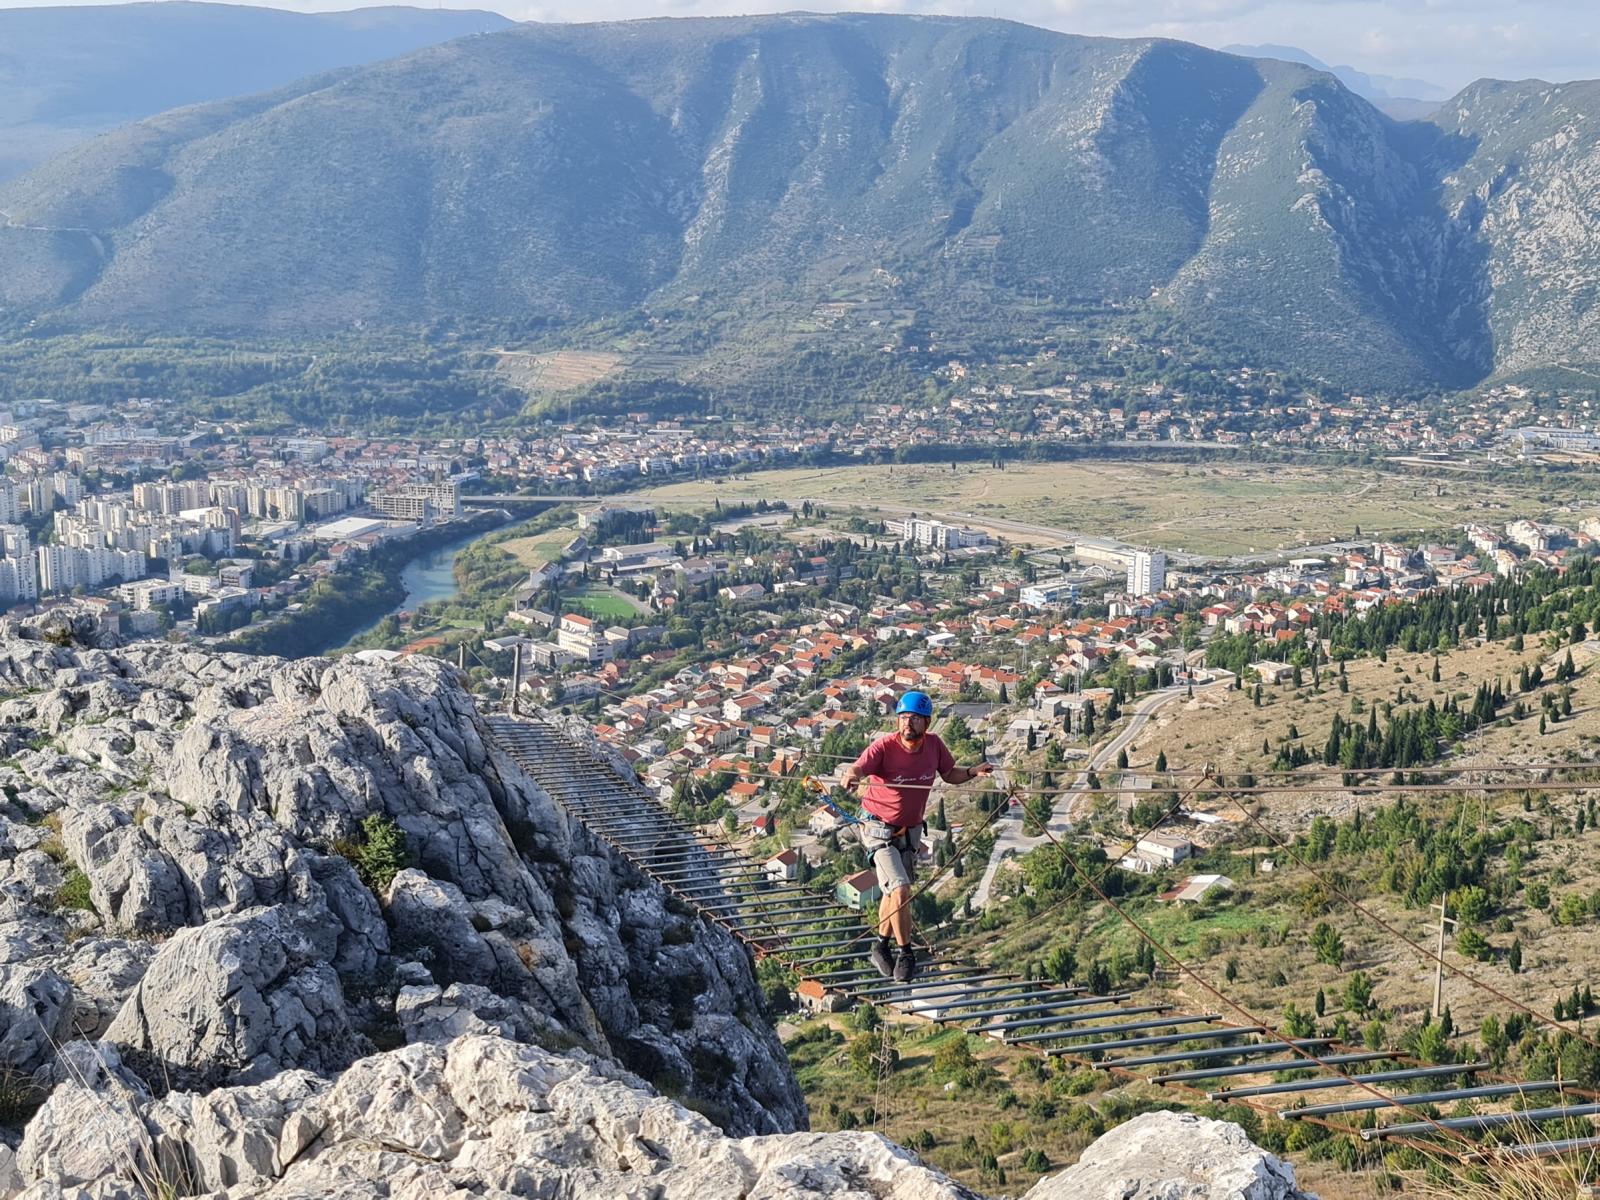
(1447, 42)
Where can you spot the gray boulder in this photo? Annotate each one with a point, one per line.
(35, 1015)
(132, 882)
(103, 972)
(483, 1116)
(1173, 1156)
(240, 999)
(429, 1013)
(432, 916)
(91, 1131)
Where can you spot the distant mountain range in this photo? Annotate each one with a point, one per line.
(67, 74)
(1402, 99)
(708, 175)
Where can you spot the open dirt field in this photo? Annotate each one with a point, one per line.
(534, 552)
(1211, 509)
(559, 370)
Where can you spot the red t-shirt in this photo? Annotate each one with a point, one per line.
(901, 778)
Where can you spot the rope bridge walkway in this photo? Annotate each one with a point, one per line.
(1353, 1090)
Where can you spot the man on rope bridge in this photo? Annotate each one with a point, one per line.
(900, 768)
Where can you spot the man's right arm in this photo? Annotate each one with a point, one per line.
(863, 766)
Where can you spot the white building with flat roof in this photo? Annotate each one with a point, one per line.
(1147, 572)
(1049, 593)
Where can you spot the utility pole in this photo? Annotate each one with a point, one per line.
(461, 658)
(1438, 964)
(516, 678)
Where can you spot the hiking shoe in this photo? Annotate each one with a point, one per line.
(905, 966)
(879, 957)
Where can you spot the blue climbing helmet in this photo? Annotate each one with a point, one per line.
(915, 702)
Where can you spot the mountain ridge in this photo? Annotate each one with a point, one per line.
(68, 73)
(722, 172)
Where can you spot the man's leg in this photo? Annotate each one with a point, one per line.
(894, 915)
(893, 883)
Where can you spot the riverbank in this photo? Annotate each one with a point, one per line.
(337, 607)
(485, 575)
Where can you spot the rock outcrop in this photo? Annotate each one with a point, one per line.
(486, 1116)
(181, 873)
(1173, 1156)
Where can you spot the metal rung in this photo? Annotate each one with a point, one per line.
(1163, 1039)
(1127, 1027)
(1156, 1060)
(1487, 1121)
(831, 944)
(798, 963)
(1068, 1019)
(988, 992)
(1057, 1000)
(758, 917)
(1534, 1149)
(1260, 1068)
(1472, 1093)
(910, 990)
(712, 852)
(820, 920)
(1317, 1085)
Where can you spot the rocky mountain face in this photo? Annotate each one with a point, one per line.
(208, 986)
(178, 840)
(69, 73)
(715, 174)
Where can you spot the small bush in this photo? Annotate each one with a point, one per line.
(74, 892)
(379, 855)
(20, 1098)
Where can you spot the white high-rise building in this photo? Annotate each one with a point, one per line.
(68, 487)
(1147, 572)
(58, 568)
(18, 577)
(10, 507)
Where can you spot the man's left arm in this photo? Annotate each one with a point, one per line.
(950, 773)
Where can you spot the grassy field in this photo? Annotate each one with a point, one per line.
(534, 552)
(1211, 509)
(603, 604)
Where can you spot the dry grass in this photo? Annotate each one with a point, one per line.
(1205, 509)
(1226, 729)
(534, 552)
(557, 371)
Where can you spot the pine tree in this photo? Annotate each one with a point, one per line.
(1161, 760)
(1514, 958)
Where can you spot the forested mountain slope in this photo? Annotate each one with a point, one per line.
(714, 170)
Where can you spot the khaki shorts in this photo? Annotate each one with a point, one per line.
(894, 856)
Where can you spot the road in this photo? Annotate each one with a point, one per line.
(1010, 841)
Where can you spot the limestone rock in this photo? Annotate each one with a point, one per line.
(434, 1014)
(92, 1128)
(483, 1116)
(192, 787)
(131, 881)
(103, 972)
(240, 999)
(1173, 1156)
(35, 1015)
